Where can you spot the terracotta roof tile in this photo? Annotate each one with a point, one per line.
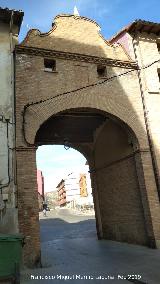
(139, 26)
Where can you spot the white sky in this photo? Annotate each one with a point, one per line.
(55, 162)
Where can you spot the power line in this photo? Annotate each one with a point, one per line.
(92, 85)
(79, 89)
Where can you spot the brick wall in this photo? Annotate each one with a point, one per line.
(28, 208)
(119, 193)
(126, 200)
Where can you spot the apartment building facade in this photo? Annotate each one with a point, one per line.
(141, 40)
(40, 185)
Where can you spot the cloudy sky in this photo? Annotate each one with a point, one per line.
(111, 15)
(56, 162)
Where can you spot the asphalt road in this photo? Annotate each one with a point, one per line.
(62, 224)
(72, 254)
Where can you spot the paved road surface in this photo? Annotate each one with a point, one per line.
(70, 249)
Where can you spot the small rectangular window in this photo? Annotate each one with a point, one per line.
(49, 65)
(101, 70)
(159, 75)
(158, 46)
(158, 72)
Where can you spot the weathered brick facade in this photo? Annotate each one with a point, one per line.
(118, 152)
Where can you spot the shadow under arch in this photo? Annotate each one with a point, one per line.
(87, 112)
(111, 148)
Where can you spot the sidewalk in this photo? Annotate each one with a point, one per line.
(75, 211)
(71, 248)
(96, 258)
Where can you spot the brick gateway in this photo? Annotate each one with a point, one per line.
(76, 89)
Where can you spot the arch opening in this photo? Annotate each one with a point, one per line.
(109, 146)
(66, 208)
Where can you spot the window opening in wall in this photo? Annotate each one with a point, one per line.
(49, 65)
(159, 76)
(158, 46)
(102, 71)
